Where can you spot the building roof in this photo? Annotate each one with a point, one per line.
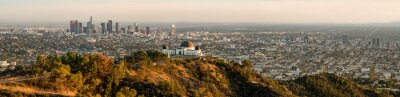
(187, 44)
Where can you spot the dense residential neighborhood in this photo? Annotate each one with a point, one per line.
(282, 54)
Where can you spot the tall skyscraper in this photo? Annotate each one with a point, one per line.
(345, 39)
(109, 26)
(173, 30)
(147, 30)
(103, 28)
(93, 28)
(136, 27)
(287, 39)
(130, 28)
(116, 27)
(90, 26)
(74, 26)
(71, 25)
(80, 27)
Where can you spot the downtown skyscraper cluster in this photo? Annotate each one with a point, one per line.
(110, 27)
(76, 27)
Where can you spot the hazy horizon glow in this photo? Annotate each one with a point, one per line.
(258, 11)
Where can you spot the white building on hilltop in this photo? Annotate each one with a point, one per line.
(187, 48)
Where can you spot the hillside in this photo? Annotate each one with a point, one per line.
(150, 73)
(330, 85)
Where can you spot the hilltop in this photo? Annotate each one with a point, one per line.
(151, 73)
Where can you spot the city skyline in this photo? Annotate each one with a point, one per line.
(249, 11)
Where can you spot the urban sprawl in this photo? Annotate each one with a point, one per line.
(278, 51)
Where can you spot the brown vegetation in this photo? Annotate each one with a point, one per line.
(136, 75)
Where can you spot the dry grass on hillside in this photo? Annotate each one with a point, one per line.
(32, 90)
(150, 75)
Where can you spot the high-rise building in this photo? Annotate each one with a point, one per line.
(109, 26)
(74, 26)
(373, 41)
(136, 27)
(90, 26)
(91, 19)
(93, 30)
(345, 39)
(173, 30)
(306, 39)
(130, 28)
(292, 39)
(77, 27)
(103, 28)
(80, 27)
(123, 30)
(116, 27)
(147, 30)
(376, 42)
(71, 25)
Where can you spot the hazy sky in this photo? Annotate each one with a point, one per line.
(260, 11)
